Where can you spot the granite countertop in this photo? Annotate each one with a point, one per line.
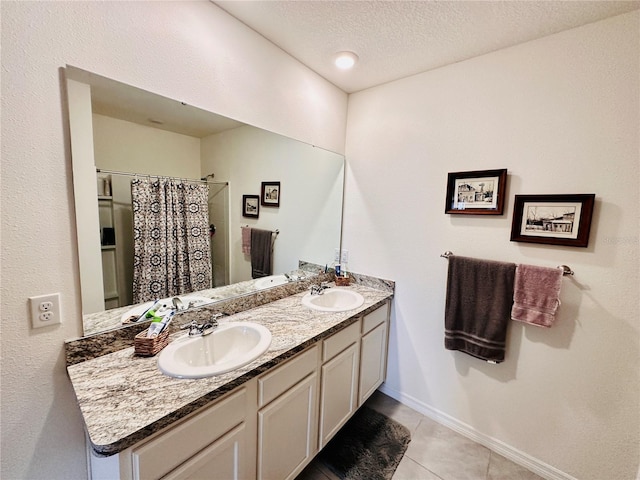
(124, 398)
(109, 319)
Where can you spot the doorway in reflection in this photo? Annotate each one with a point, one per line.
(219, 233)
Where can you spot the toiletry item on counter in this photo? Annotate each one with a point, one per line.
(146, 312)
(158, 313)
(158, 326)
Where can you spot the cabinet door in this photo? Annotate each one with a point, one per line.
(338, 392)
(287, 431)
(373, 361)
(177, 445)
(224, 459)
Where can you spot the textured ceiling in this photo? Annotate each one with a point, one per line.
(395, 39)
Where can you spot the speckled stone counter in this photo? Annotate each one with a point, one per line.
(110, 319)
(125, 398)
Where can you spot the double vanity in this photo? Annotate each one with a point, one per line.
(265, 419)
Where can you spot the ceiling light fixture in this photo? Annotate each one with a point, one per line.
(345, 60)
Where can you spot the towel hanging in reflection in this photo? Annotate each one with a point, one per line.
(246, 240)
(261, 249)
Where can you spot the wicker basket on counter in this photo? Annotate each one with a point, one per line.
(148, 347)
(343, 281)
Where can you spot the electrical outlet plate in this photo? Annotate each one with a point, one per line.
(340, 257)
(45, 310)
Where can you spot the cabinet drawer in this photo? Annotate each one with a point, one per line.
(165, 452)
(285, 376)
(339, 341)
(375, 318)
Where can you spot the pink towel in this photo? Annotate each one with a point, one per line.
(246, 240)
(536, 295)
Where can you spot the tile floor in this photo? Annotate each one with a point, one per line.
(435, 452)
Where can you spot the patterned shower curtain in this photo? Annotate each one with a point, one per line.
(171, 238)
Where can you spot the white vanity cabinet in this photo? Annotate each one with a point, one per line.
(271, 426)
(288, 417)
(373, 352)
(339, 380)
(219, 439)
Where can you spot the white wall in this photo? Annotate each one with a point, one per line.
(562, 114)
(187, 50)
(130, 147)
(311, 181)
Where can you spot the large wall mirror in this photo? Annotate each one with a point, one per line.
(121, 134)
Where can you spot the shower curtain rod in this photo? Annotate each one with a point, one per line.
(192, 180)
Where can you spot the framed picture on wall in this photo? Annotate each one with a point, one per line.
(553, 219)
(479, 192)
(270, 194)
(250, 206)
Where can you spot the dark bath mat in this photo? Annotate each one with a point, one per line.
(368, 447)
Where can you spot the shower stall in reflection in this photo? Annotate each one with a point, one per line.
(128, 263)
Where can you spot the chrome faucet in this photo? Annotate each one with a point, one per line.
(319, 289)
(207, 328)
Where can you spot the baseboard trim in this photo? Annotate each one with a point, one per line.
(517, 456)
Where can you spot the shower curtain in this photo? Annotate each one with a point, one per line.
(171, 238)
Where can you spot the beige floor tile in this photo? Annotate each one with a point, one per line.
(501, 468)
(448, 454)
(410, 470)
(435, 452)
(393, 409)
(313, 471)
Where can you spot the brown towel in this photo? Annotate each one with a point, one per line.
(260, 253)
(246, 240)
(478, 304)
(536, 295)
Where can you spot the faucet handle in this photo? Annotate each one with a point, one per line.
(193, 324)
(194, 328)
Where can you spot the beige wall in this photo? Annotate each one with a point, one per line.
(311, 187)
(562, 114)
(186, 50)
(130, 147)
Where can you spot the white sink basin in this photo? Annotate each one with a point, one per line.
(333, 300)
(270, 281)
(230, 346)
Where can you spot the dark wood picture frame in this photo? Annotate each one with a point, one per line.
(270, 196)
(553, 219)
(250, 206)
(478, 192)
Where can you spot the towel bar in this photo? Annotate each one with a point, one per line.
(566, 270)
(275, 232)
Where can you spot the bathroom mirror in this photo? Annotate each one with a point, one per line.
(117, 128)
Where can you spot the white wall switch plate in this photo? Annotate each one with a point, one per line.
(344, 258)
(45, 310)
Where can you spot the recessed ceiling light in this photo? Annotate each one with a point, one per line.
(345, 60)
